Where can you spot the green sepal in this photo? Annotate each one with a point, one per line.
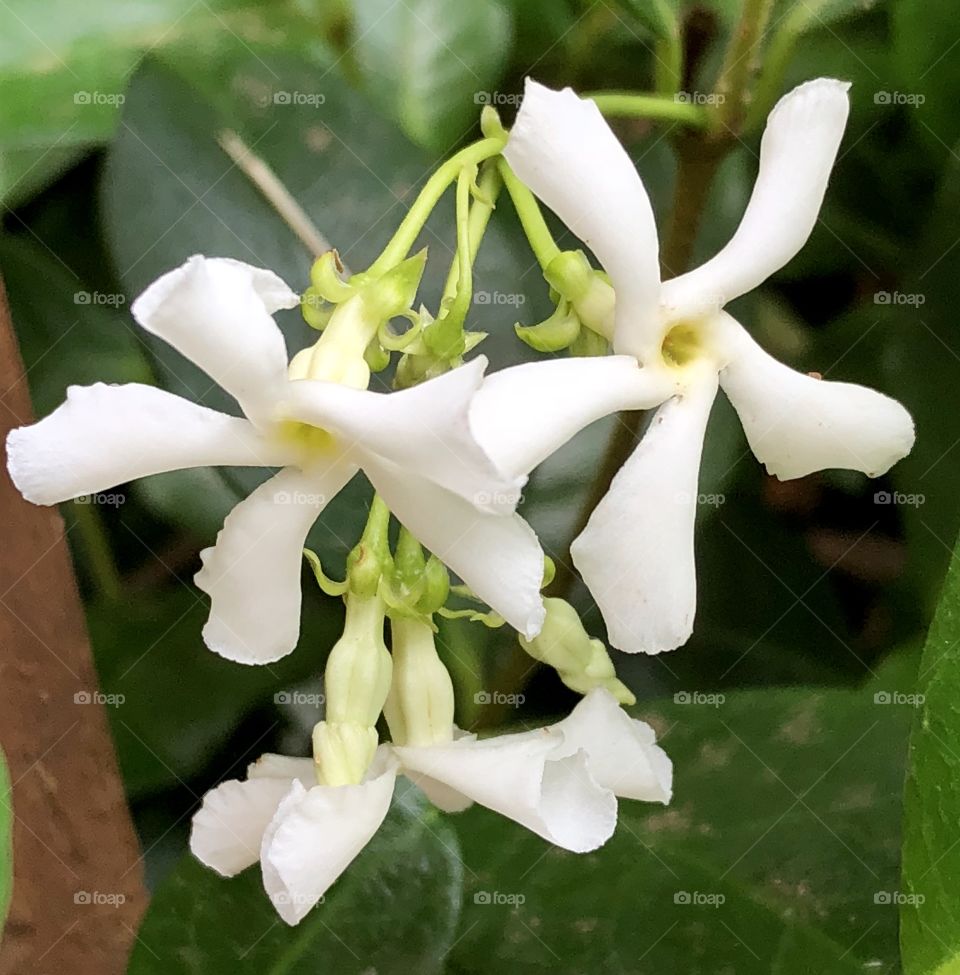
(549, 571)
(491, 620)
(315, 310)
(393, 293)
(330, 586)
(325, 278)
(570, 274)
(557, 332)
(376, 356)
(589, 343)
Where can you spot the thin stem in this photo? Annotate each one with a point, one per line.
(274, 191)
(463, 286)
(741, 61)
(657, 107)
(544, 247)
(489, 186)
(417, 215)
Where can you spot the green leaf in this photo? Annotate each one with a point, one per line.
(6, 840)
(776, 854)
(393, 912)
(173, 702)
(432, 63)
(931, 858)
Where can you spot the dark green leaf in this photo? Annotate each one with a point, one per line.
(393, 912)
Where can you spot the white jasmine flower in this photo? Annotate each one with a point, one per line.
(560, 782)
(636, 553)
(419, 447)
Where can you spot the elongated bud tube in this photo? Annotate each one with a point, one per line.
(357, 681)
(581, 662)
(419, 708)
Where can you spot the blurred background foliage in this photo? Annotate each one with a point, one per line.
(111, 174)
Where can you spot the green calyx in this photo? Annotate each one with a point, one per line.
(581, 662)
(417, 586)
(556, 333)
(587, 290)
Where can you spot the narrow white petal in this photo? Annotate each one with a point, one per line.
(562, 148)
(425, 429)
(217, 312)
(272, 766)
(623, 753)
(797, 153)
(314, 837)
(519, 777)
(102, 436)
(521, 415)
(252, 574)
(636, 553)
(497, 556)
(228, 827)
(797, 424)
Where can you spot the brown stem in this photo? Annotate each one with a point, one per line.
(78, 888)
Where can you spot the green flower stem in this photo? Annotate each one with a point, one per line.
(417, 215)
(489, 186)
(463, 263)
(544, 247)
(655, 107)
(740, 63)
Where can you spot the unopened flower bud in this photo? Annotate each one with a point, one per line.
(581, 662)
(343, 751)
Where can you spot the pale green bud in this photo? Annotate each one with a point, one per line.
(342, 752)
(325, 278)
(557, 332)
(581, 663)
(591, 294)
(419, 708)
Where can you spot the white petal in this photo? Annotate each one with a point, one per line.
(797, 153)
(315, 835)
(228, 828)
(442, 796)
(623, 753)
(636, 553)
(796, 424)
(562, 148)
(425, 429)
(102, 436)
(497, 556)
(272, 766)
(252, 574)
(521, 415)
(518, 777)
(217, 313)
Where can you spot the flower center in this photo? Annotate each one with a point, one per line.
(683, 343)
(309, 439)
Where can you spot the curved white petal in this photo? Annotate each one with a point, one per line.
(425, 429)
(497, 556)
(440, 795)
(797, 152)
(217, 312)
(521, 415)
(228, 827)
(636, 553)
(623, 753)
(797, 424)
(562, 148)
(272, 766)
(102, 436)
(519, 777)
(315, 835)
(252, 574)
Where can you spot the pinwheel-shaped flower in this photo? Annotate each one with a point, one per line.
(636, 553)
(561, 782)
(420, 447)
